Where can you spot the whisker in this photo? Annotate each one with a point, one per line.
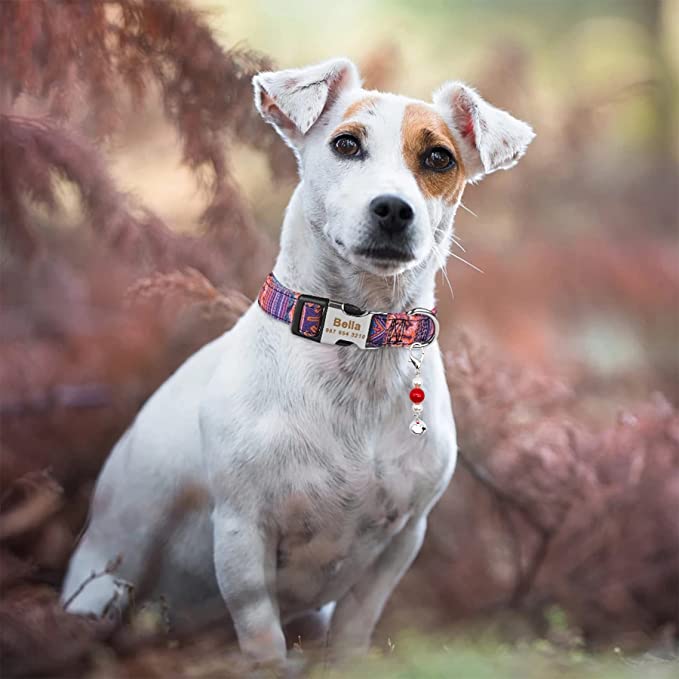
(442, 267)
(457, 242)
(471, 212)
(448, 283)
(476, 268)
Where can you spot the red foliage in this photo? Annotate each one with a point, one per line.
(122, 47)
(35, 154)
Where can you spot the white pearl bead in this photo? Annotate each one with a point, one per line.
(417, 381)
(417, 408)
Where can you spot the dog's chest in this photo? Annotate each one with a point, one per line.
(330, 531)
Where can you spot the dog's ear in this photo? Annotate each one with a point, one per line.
(294, 99)
(490, 139)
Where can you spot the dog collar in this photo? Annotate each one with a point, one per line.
(323, 320)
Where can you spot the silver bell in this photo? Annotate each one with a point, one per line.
(418, 427)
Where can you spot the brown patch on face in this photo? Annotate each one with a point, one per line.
(358, 106)
(421, 130)
(354, 129)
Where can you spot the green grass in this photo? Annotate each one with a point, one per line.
(413, 658)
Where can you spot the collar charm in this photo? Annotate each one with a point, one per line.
(417, 426)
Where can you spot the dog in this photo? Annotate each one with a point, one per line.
(275, 469)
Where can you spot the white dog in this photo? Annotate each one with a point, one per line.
(305, 486)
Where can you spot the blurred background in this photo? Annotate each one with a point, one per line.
(140, 206)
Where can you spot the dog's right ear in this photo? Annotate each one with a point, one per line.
(294, 99)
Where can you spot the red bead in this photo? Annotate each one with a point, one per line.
(416, 395)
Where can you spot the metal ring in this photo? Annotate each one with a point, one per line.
(435, 321)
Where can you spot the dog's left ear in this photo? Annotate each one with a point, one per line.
(294, 99)
(490, 139)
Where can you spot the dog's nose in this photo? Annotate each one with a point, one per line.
(391, 213)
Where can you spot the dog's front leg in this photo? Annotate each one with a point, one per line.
(245, 565)
(359, 610)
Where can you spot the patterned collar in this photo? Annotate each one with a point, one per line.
(323, 320)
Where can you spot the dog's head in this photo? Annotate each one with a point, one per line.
(383, 174)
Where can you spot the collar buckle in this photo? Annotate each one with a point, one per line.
(296, 323)
(339, 323)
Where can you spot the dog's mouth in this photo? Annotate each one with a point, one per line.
(386, 253)
(382, 259)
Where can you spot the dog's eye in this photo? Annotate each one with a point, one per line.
(346, 145)
(439, 159)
